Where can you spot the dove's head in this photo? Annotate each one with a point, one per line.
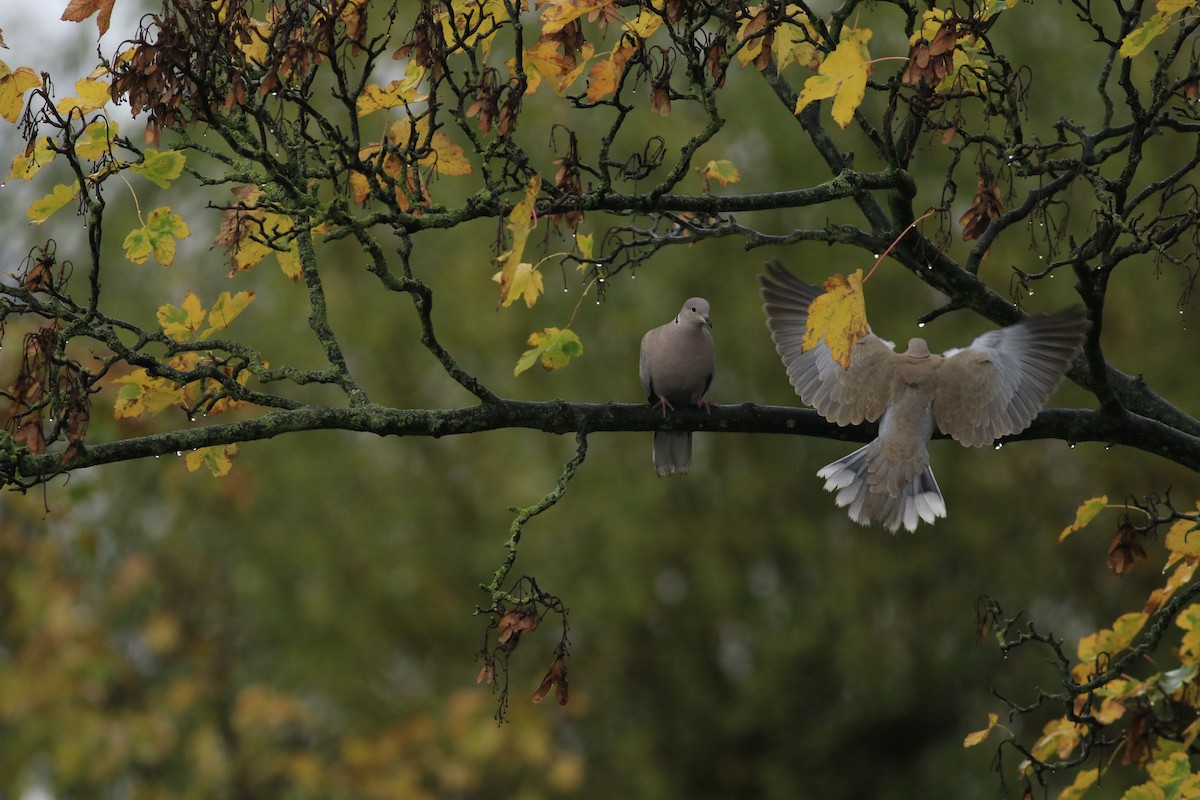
(917, 348)
(694, 312)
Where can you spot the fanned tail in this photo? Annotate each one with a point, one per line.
(870, 503)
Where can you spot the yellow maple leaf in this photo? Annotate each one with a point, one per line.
(521, 221)
(95, 141)
(93, 94)
(226, 307)
(13, 86)
(182, 321)
(556, 14)
(1060, 736)
(749, 35)
(1086, 512)
(645, 24)
(974, 738)
(401, 92)
(1183, 541)
(1109, 641)
(931, 22)
(722, 171)
(41, 209)
(546, 59)
(1084, 780)
(603, 78)
(792, 46)
(27, 163)
(842, 76)
(839, 316)
(526, 282)
(140, 393)
(289, 262)
(448, 157)
(215, 458)
(553, 347)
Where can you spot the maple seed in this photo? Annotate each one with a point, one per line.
(513, 623)
(984, 208)
(1125, 550)
(556, 677)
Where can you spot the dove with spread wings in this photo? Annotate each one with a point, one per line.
(993, 388)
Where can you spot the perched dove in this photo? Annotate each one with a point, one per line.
(676, 366)
(991, 389)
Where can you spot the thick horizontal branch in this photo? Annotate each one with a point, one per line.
(556, 416)
(847, 183)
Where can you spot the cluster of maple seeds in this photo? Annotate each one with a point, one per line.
(929, 62)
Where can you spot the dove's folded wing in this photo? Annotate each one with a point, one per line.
(996, 386)
(843, 396)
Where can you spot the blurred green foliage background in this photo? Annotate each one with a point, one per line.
(306, 627)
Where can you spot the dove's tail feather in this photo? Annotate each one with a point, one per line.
(672, 452)
(919, 498)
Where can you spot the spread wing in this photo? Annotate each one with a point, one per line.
(842, 396)
(997, 385)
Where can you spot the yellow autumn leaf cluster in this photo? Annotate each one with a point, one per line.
(252, 233)
(790, 42)
(1166, 13)
(183, 322)
(410, 147)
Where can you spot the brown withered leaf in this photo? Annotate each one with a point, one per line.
(984, 208)
(1125, 550)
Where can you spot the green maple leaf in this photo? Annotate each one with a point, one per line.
(161, 168)
(553, 347)
(157, 237)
